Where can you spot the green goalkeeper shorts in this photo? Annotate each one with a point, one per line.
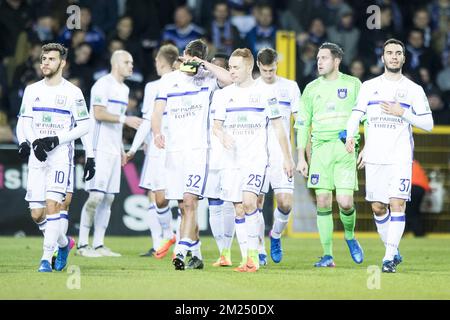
(332, 167)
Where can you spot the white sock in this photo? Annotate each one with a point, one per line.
(41, 225)
(154, 226)
(64, 221)
(216, 221)
(382, 223)
(101, 222)
(261, 233)
(241, 235)
(164, 216)
(279, 223)
(177, 231)
(228, 224)
(51, 235)
(394, 235)
(86, 222)
(252, 224)
(195, 249)
(183, 246)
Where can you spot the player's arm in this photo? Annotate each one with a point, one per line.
(101, 114)
(225, 139)
(89, 167)
(223, 75)
(303, 126)
(141, 134)
(160, 106)
(24, 145)
(288, 164)
(418, 115)
(353, 122)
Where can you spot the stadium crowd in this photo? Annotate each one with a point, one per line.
(142, 26)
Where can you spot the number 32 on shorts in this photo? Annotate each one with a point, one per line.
(404, 185)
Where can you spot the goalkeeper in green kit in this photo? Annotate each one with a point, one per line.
(325, 107)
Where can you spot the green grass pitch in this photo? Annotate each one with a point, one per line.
(424, 274)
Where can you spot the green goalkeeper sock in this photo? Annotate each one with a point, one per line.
(348, 219)
(325, 226)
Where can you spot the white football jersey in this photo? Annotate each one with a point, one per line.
(150, 93)
(246, 113)
(389, 138)
(54, 110)
(109, 93)
(288, 96)
(188, 102)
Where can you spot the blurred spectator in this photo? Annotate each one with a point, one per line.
(440, 14)
(443, 77)
(92, 34)
(125, 32)
(263, 34)
(104, 13)
(439, 109)
(346, 35)
(15, 17)
(417, 56)
(421, 20)
(330, 11)
(316, 34)
(81, 65)
(45, 28)
(222, 34)
(6, 135)
(183, 31)
(419, 186)
(307, 64)
(298, 15)
(241, 17)
(357, 69)
(371, 42)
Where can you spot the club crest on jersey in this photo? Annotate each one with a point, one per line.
(60, 101)
(198, 81)
(401, 93)
(315, 178)
(342, 93)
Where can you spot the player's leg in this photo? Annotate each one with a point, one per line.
(153, 225)
(249, 203)
(189, 231)
(164, 216)
(241, 235)
(216, 221)
(35, 196)
(262, 253)
(347, 214)
(88, 213)
(103, 214)
(321, 178)
(38, 215)
(228, 233)
(280, 220)
(325, 226)
(196, 261)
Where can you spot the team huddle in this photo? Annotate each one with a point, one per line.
(213, 131)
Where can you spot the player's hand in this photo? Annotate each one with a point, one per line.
(350, 144)
(160, 141)
(39, 150)
(24, 150)
(89, 169)
(124, 159)
(392, 108)
(50, 143)
(302, 167)
(130, 155)
(227, 141)
(289, 167)
(133, 122)
(360, 162)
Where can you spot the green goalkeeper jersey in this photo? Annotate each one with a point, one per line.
(326, 105)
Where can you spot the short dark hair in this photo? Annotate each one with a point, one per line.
(54, 47)
(335, 50)
(267, 56)
(197, 48)
(394, 41)
(169, 52)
